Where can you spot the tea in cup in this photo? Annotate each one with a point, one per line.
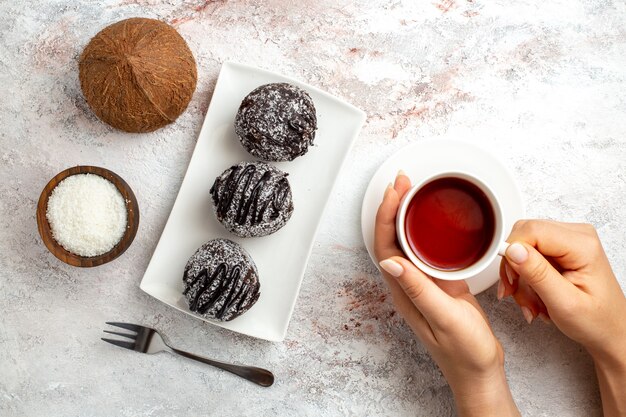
(451, 226)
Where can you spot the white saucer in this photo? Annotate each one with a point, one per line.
(422, 160)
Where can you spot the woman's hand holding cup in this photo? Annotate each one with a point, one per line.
(446, 318)
(562, 268)
(556, 271)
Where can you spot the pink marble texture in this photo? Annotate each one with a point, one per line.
(542, 84)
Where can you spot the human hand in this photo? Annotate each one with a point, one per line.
(562, 268)
(565, 267)
(446, 318)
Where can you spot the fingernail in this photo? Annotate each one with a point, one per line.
(401, 172)
(389, 188)
(517, 253)
(392, 267)
(509, 273)
(544, 318)
(500, 290)
(527, 314)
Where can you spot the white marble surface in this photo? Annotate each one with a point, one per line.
(540, 83)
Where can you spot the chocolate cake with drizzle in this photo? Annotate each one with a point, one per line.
(252, 199)
(276, 122)
(221, 280)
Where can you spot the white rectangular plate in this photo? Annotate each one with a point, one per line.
(281, 258)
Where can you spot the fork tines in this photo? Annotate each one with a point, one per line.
(122, 343)
(127, 326)
(130, 336)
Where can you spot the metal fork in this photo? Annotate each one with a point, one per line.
(147, 340)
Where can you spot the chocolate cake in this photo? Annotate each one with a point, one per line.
(221, 280)
(276, 122)
(252, 199)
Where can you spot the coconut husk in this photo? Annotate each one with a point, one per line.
(137, 74)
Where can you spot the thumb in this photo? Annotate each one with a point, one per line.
(553, 289)
(426, 296)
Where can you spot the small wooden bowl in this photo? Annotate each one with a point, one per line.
(131, 227)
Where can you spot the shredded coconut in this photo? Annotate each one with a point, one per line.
(87, 214)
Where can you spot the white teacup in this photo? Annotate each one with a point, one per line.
(496, 247)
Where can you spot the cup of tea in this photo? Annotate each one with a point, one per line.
(451, 226)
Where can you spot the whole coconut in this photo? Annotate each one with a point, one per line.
(137, 74)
